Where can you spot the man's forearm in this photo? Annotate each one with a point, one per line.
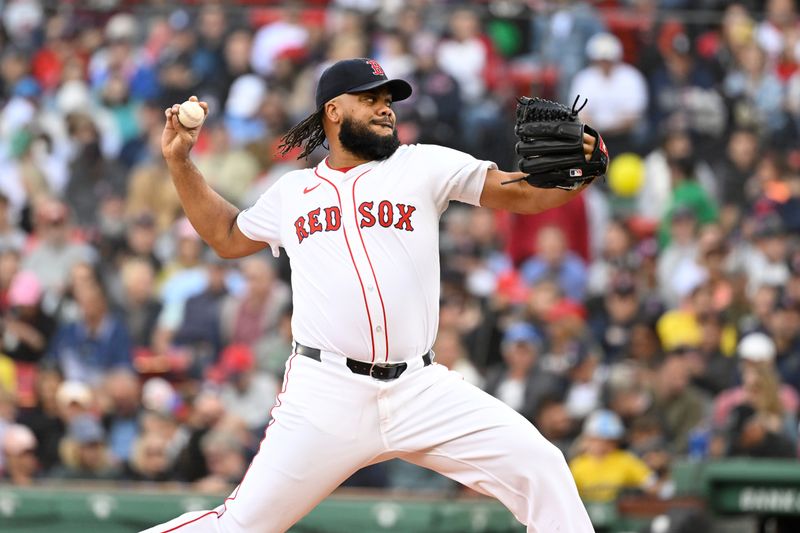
(519, 196)
(211, 215)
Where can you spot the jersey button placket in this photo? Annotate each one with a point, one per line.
(358, 243)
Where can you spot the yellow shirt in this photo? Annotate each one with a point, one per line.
(599, 479)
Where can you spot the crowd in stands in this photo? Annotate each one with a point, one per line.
(654, 318)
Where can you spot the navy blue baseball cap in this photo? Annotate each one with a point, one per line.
(357, 75)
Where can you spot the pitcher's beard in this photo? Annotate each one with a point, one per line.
(361, 141)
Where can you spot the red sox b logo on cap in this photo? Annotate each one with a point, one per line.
(376, 68)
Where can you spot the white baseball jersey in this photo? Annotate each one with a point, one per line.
(364, 247)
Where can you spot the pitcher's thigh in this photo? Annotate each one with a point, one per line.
(496, 451)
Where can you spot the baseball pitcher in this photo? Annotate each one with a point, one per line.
(361, 231)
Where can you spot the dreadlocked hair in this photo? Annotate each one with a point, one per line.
(308, 134)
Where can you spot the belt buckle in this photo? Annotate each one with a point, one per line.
(372, 369)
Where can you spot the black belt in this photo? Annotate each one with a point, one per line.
(381, 371)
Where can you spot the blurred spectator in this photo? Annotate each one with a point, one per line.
(93, 177)
(122, 393)
(644, 348)
(150, 188)
(45, 418)
(679, 255)
(773, 33)
(560, 32)
(602, 470)
(648, 442)
(149, 460)
(616, 93)
(274, 350)
(465, 54)
(55, 252)
(11, 237)
(468, 56)
(184, 276)
(26, 327)
(249, 318)
(242, 120)
(675, 149)
(612, 325)
(244, 392)
(236, 62)
(84, 453)
(212, 27)
(553, 260)
(207, 412)
(686, 193)
(141, 306)
(230, 169)
(750, 435)
(715, 370)
(26, 330)
(572, 218)
(555, 423)
(225, 460)
(20, 465)
(736, 31)
(627, 392)
(684, 86)
(776, 403)
(519, 382)
(766, 262)
(735, 167)
(450, 352)
(121, 54)
(617, 255)
(676, 402)
(783, 326)
(199, 330)
(756, 92)
(585, 380)
(271, 39)
(567, 343)
(435, 105)
(95, 343)
(140, 241)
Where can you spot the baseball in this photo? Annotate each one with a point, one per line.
(191, 114)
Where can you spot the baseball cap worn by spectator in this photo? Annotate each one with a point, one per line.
(522, 332)
(757, 348)
(604, 47)
(604, 424)
(566, 309)
(235, 360)
(357, 75)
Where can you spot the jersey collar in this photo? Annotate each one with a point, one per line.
(327, 172)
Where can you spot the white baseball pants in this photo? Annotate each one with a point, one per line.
(328, 422)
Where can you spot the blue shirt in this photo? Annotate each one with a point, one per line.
(570, 274)
(87, 358)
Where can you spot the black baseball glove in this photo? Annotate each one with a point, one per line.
(551, 145)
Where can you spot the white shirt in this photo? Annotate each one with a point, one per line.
(364, 247)
(613, 99)
(464, 61)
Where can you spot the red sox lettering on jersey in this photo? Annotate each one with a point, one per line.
(387, 215)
